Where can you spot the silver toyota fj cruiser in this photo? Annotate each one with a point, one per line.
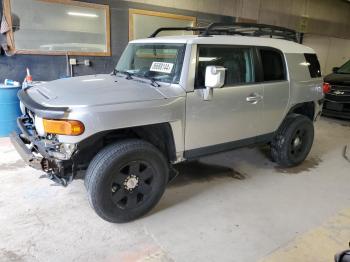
(172, 99)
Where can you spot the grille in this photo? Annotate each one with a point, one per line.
(337, 107)
(340, 88)
(339, 93)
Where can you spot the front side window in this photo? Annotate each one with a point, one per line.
(344, 69)
(272, 65)
(161, 62)
(237, 61)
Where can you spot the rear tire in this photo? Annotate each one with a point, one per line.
(293, 141)
(126, 180)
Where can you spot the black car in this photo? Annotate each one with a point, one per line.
(337, 92)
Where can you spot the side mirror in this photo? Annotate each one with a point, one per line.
(335, 69)
(214, 78)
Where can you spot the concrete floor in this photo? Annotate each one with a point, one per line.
(257, 212)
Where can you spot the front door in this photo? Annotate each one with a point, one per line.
(234, 112)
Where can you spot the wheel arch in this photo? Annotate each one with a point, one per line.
(307, 109)
(160, 135)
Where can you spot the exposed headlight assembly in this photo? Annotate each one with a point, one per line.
(65, 151)
(39, 126)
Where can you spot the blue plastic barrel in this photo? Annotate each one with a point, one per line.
(9, 110)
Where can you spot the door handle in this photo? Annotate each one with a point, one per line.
(254, 98)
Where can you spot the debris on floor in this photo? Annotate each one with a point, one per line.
(346, 153)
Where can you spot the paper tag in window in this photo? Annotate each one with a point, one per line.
(162, 67)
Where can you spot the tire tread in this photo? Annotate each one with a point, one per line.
(279, 150)
(103, 160)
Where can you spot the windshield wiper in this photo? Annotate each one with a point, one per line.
(128, 74)
(153, 81)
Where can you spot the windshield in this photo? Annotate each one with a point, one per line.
(344, 69)
(160, 62)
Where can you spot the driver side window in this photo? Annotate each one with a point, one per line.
(237, 61)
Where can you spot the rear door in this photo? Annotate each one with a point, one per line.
(274, 79)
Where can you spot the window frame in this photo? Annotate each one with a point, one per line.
(133, 12)
(261, 68)
(12, 40)
(254, 57)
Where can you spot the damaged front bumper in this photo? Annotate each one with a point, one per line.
(38, 154)
(26, 154)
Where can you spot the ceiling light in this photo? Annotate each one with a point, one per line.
(82, 14)
(305, 63)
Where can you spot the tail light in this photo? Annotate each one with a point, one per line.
(326, 88)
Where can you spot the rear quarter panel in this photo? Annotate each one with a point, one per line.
(303, 87)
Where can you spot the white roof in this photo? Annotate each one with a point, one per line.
(284, 45)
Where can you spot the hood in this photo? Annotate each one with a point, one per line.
(338, 79)
(93, 91)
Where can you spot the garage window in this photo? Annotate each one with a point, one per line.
(60, 27)
(237, 61)
(272, 65)
(142, 23)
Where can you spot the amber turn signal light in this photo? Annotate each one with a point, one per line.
(63, 127)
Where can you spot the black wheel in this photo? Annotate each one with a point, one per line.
(126, 180)
(293, 141)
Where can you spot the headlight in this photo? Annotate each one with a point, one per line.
(39, 126)
(63, 127)
(22, 107)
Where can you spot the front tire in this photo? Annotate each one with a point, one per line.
(293, 141)
(126, 180)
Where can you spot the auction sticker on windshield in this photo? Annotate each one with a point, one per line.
(162, 67)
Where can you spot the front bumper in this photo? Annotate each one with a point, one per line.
(336, 109)
(37, 154)
(26, 154)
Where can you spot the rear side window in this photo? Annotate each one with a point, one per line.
(313, 64)
(237, 61)
(273, 65)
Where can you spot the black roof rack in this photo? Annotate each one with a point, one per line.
(194, 29)
(244, 29)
